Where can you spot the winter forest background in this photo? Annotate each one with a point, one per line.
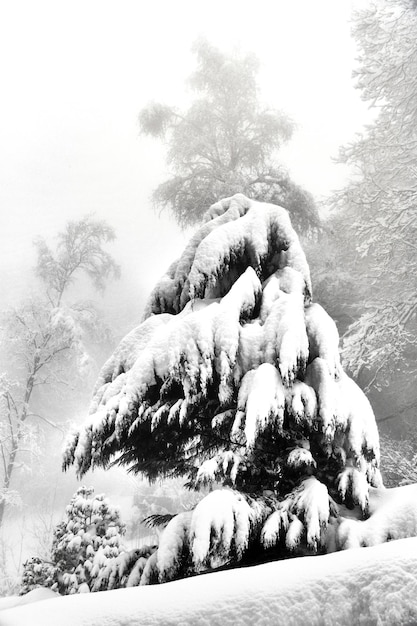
(105, 170)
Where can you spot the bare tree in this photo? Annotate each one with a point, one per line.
(46, 335)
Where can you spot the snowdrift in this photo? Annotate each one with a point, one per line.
(375, 585)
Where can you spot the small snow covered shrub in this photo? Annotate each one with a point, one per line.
(86, 540)
(36, 573)
(84, 543)
(234, 381)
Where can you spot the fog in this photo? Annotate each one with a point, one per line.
(74, 76)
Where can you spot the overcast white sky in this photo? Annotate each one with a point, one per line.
(74, 75)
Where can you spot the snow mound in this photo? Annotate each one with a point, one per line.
(393, 515)
(36, 595)
(375, 585)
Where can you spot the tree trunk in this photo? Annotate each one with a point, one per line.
(17, 436)
(7, 479)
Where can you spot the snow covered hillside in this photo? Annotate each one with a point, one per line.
(234, 382)
(376, 585)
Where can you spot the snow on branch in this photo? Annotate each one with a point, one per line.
(261, 400)
(243, 232)
(306, 511)
(323, 338)
(223, 465)
(216, 532)
(174, 546)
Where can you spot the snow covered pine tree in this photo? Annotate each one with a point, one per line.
(84, 543)
(36, 573)
(234, 380)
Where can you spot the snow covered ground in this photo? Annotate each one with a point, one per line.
(376, 585)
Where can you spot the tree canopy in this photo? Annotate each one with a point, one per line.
(225, 142)
(79, 250)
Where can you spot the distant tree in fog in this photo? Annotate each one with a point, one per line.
(225, 142)
(47, 335)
